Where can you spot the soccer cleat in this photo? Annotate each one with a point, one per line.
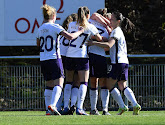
(72, 109)
(65, 111)
(53, 110)
(106, 113)
(60, 111)
(49, 113)
(80, 112)
(122, 110)
(94, 112)
(136, 109)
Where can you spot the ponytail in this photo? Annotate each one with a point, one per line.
(48, 11)
(126, 25)
(82, 16)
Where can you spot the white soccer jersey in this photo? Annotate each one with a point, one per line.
(77, 47)
(118, 52)
(103, 32)
(64, 44)
(49, 41)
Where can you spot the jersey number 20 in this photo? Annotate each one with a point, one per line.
(44, 42)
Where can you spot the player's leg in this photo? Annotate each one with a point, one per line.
(53, 74)
(98, 71)
(130, 96)
(126, 90)
(83, 75)
(94, 95)
(70, 68)
(59, 104)
(117, 97)
(58, 84)
(48, 97)
(93, 92)
(104, 96)
(74, 91)
(67, 90)
(114, 75)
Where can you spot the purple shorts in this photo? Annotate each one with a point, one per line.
(98, 66)
(52, 69)
(119, 71)
(77, 63)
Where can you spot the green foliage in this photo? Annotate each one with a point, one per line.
(149, 19)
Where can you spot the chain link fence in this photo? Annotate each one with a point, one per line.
(22, 87)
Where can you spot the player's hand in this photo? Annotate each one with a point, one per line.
(106, 49)
(81, 29)
(89, 43)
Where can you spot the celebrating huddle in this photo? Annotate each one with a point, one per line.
(78, 51)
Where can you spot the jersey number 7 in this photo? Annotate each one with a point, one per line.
(82, 35)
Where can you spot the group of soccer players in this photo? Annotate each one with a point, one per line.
(82, 48)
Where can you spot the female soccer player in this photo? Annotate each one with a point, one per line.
(98, 66)
(119, 60)
(50, 58)
(77, 58)
(69, 88)
(98, 69)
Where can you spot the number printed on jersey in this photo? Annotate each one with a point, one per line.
(83, 37)
(46, 43)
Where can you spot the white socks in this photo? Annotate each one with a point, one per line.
(130, 96)
(56, 95)
(81, 95)
(59, 103)
(105, 99)
(67, 94)
(48, 97)
(74, 96)
(117, 97)
(93, 98)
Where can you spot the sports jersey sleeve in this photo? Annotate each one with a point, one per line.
(93, 29)
(59, 28)
(115, 34)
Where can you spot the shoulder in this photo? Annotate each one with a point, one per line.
(117, 33)
(91, 26)
(72, 23)
(57, 28)
(56, 25)
(95, 23)
(116, 30)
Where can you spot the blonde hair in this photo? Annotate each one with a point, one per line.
(82, 16)
(48, 11)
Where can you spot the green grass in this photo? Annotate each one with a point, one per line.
(39, 118)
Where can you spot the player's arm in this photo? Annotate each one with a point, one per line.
(107, 44)
(99, 38)
(71, 36)
(101, 19)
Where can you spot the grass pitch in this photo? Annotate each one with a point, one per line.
(39, 118)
